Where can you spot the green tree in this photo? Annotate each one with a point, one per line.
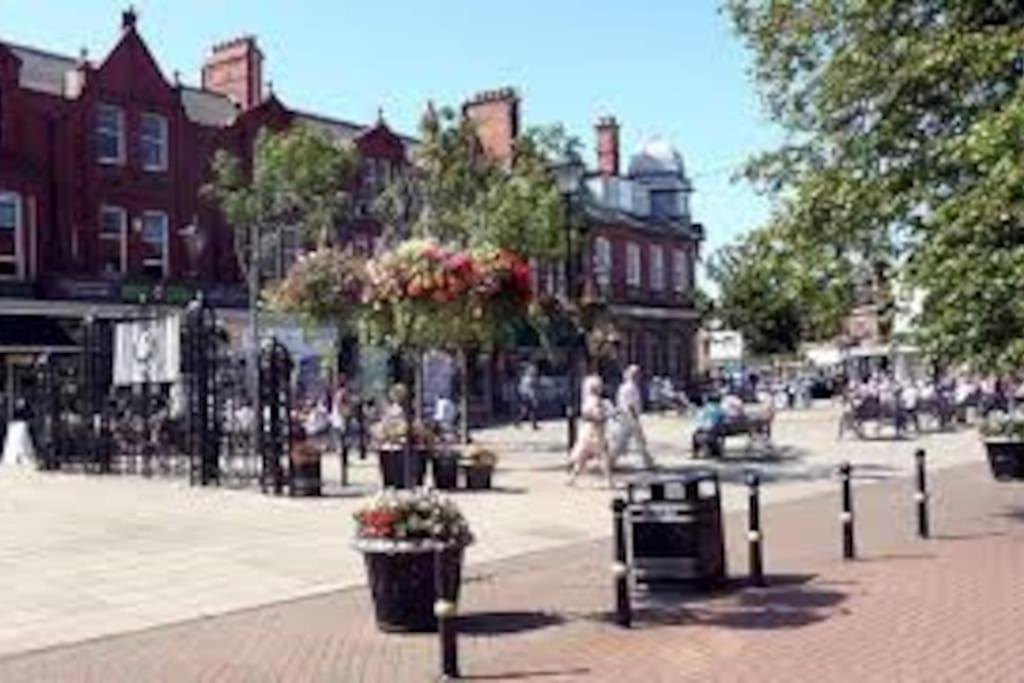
(905, 151)
(296, 179)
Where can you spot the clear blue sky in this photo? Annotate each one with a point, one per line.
(661, 66)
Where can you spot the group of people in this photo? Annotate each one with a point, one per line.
(596, 443)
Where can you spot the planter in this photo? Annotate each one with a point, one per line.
(402, 582)
(393, 466)
(478, 477)
(446, 471)
(306, 478)
(1006, 458)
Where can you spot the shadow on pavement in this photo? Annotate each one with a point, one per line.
(506, 623)
(526, 675)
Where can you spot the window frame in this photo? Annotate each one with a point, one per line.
(656, 267)
(18, 229)
(122, 238)
(164, 262)
(680, 271)
(162, 143)
(99, 132)
(634, 266)
(602, 261)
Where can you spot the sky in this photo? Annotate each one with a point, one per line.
(662, 67)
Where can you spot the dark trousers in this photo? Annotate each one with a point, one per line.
(527, 410)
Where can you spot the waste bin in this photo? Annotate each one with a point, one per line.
(674, 531)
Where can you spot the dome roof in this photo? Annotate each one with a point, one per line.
(657, 156)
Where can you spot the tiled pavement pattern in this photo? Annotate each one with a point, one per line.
(948, 609)
(83, 557)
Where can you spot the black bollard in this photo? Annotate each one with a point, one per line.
(921, 496)
(754, 535)
(344, 460)
(846, 516)
(445, 610)
(361, 420)
(620, 570)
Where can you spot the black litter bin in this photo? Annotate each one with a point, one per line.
(674, 531)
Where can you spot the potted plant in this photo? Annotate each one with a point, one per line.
(396, 467)
(479, 466)
(1004, 444)
(401, 534)
(305, 470)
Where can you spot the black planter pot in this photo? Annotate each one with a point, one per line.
(478, 477)
(306, 478)
(393, 465)
(1006, 459)
(402, 584)
(446, 471)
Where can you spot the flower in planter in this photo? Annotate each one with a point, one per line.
(412, 516)
(1000, 425)
(392, 432)
(478, 456)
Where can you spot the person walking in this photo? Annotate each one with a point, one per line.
(630, 406)
(591, 444)
(527, 395)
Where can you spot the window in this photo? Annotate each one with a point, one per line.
(153, 142)
(680, 271)
(664, 203)
(657, 256)
(109, 134)
(154, 244)
(113, 240)
(602, 262)
(632, 264)
(10, 235)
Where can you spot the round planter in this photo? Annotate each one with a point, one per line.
(402, 582)
(393, 466)
(478, 477)
(1006, 459)
(306, 478)
(446, 471)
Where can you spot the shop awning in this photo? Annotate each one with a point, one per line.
(33, 334)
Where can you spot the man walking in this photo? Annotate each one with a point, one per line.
(527, 395)
(629, 405)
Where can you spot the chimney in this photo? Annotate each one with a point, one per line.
(496, 115)
(607, 146)
(235, 69)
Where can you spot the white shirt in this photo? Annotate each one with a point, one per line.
(627, 398)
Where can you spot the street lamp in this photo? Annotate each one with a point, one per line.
(569, 176)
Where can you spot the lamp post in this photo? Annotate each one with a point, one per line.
(569, 176)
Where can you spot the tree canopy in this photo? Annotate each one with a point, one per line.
(905, 152)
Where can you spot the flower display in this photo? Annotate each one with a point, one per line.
(392, 432)
(418, 515)
(324, 284)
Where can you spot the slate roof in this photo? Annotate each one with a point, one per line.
(208, 108)
(42, 71)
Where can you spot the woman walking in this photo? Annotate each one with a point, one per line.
(591, 444)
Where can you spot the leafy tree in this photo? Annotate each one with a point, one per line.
(905, 151)
(296, 178)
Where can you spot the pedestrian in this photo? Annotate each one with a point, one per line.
(591, 444)
(629, 405)
(341, 408)
(527, 396)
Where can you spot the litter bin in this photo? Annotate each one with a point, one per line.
(674, 530)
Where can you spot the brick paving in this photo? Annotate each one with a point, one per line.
(947, 609)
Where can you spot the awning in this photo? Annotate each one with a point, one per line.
(33, 334)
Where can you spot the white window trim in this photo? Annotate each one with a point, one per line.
(680, 271)
(602, 261)
(19, 226)
(657, 267)
(633, 264)
(120, 158)
(122, 239)
(163, 141)
(163, 262)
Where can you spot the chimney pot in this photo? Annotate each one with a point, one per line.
(607, 146)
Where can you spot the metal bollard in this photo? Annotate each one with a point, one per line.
(445, 610)
(620, 570)
(846, 516)
(754, 536)
(361, 420)
(921, 496)
(344, 460)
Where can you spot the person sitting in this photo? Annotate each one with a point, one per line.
(444, 417)
(709, 420)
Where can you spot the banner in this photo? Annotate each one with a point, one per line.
(147, 351)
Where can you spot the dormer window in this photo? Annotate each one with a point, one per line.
(109, 134)
(153, 142)
(664, 203)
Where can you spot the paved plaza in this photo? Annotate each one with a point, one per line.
(84, 557)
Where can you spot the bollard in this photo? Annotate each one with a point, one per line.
(344, 459)
(361, 420)
(846, 516)
(445, 610)
(754, 535)
(620, 570)
(921, 496)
